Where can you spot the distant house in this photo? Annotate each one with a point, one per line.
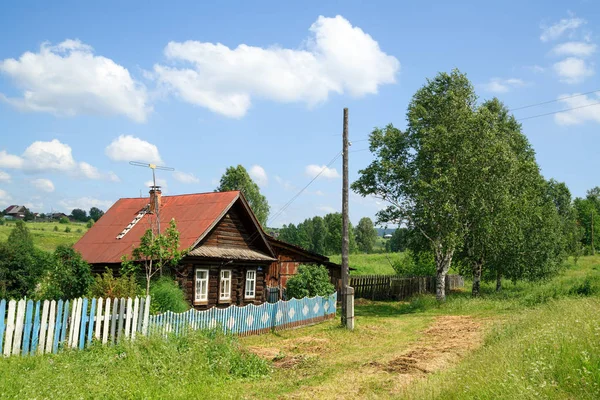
(15, 212)
(57, 215)
(387, 236)
(230, 259)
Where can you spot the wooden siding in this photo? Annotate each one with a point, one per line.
(234, 232)
(187, 280)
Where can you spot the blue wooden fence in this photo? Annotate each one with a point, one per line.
(249, 319)
(28, 327)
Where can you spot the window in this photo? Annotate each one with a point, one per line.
(201, 285)
(250, 284)
(225, 293)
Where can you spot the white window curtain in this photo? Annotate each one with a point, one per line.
(250, 284)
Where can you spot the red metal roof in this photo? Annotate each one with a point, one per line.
(194, 214)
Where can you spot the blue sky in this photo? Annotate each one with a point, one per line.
(85, 87)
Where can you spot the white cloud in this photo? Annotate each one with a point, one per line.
(5, 199)
(536, 69)
(336, 58)
(286, 185)
(319, 193)
(52, 156)
(131, 148)
(326, 172)
(259, 175)
(10, 160)
(563, 26)
(573, 70)
(586, 110)
(45, 185)
(5, 177)
(185, 177)
(68, 79)
(85, 203)
(328, 209)
(578, 49)
(498, 85)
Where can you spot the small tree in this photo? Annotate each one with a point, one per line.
(366, 235)
(96, 213)
(69, 276)
(90, 223)
(154, 252)
(79, 215)
(311, 280)
(107, 285)
(237, 178)
(63, 220)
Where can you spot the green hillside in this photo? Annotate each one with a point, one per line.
(44, 234)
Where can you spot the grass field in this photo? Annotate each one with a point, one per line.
(44, 235)
(370, 264)
(530, 341)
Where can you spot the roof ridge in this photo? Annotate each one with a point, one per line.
(182, 194)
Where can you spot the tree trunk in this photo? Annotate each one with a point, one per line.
(443, 261)
(498, 281)
(148, 286)
(477, 268)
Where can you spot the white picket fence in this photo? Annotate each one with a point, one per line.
(28, 327)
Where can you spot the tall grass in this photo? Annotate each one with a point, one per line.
(370, 264)
(199, 365)
(550, 352)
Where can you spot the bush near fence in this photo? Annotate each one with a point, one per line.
(394, 287)
(28, 328)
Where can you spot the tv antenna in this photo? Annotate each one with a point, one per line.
(153, 167)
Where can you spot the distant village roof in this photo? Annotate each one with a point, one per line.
(14, 209)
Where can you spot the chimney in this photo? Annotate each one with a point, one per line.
(155, 198)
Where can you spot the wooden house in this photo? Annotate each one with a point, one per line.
(230, 259)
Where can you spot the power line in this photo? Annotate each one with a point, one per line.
(559, 111)
(554, 101)
(286, 205)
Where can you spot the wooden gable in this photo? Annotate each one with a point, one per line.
(236, 230)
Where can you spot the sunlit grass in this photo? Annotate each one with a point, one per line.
(44, 234)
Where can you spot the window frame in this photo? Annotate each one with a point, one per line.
(207, 280)
(253, 280)
(221, 284)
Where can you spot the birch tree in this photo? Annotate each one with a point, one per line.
(419, 172)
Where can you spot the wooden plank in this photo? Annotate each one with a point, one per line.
(26, 330)
(43, 327)
(83, 322)
(2, 324)
(51, 326)
(19, 327)
(72, 322)
(140, 315)
(128, 315)
(58, 327)
(10, 327)
(106, 322)
(65, 323)
(134, 320)
(76, 321)
(113, 320)
(91, 321)
(36, 329)
(146, 315)
(121, 318)
(98, 321)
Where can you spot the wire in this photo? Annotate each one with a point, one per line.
(554, 101)
(286, 205)
(559, 111)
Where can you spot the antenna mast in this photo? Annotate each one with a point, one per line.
(153, 167)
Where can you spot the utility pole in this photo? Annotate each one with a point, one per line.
(593, 251)
(347, 291)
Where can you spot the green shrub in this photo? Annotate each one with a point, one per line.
(2, 221)
(55, 228)
(89, 223)
(311, 280)
(68, 276)
(78, 230)
(107, 285)
(63, 220)
(67, 229)
(167, 296)
(415, 264)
